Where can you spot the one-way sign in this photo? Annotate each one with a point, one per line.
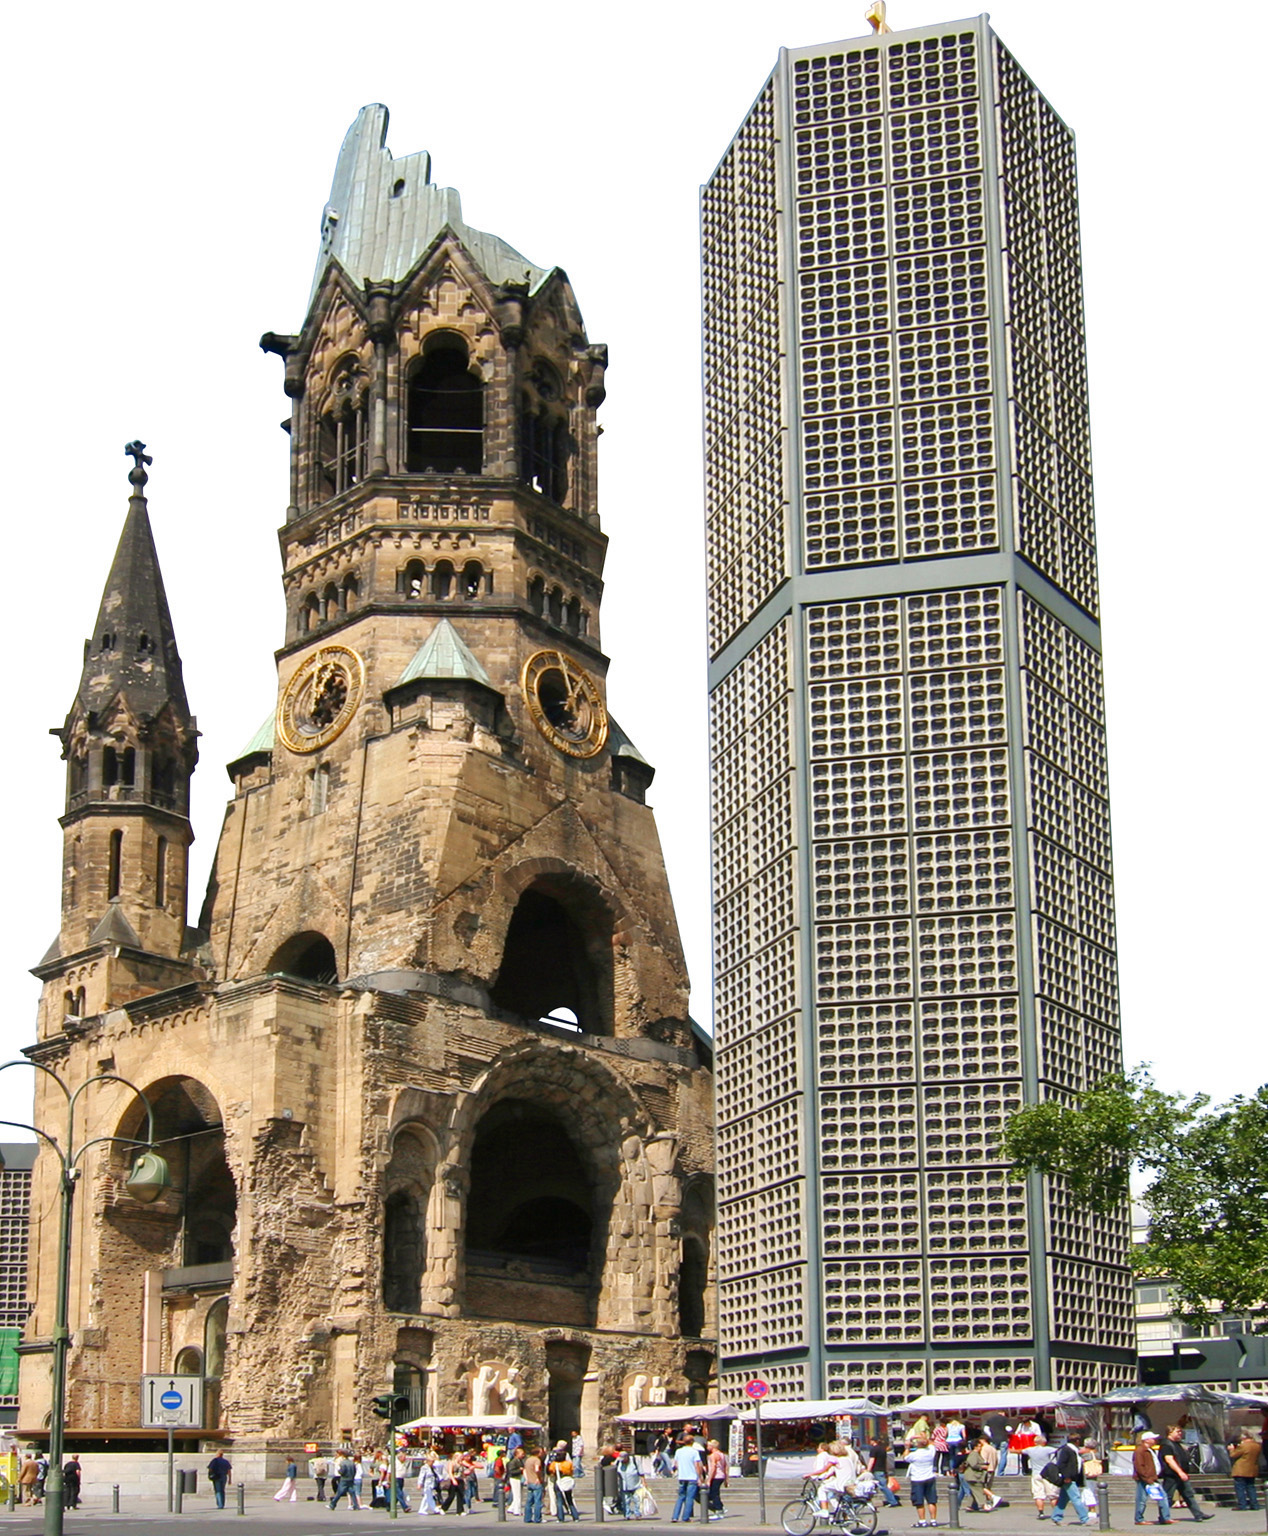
(171, 1402)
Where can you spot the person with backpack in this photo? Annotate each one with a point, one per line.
(1065, 1473)
(347, 1472)
(219, 1471)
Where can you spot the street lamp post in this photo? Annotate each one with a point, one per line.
(147, 1180)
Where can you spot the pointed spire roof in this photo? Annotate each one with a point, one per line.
(133, 646)
(443, 654)
(114, 928)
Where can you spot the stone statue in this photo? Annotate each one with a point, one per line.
(635, 1391)
(509, 1388)
(481, 1385)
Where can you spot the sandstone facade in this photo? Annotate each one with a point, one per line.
(424, 1073)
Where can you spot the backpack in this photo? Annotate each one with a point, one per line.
(563, 1467)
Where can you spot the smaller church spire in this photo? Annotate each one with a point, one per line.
(132, 653)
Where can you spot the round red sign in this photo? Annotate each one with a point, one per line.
(757, 1388)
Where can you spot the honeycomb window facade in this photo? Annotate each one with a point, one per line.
(914, 915)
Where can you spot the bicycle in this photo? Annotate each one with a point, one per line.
(851, 1513)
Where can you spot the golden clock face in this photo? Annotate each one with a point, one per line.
(564, 703)
(321, 698)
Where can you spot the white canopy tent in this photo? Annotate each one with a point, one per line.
(1011, 1401)
(506, 1421)
(679, 1414)
(822, 1408)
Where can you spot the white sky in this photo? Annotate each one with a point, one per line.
(166, 174)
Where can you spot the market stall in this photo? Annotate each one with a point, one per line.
(445, 1435)
(999, 1413)
(646, 1424)
(792, 1431)
(1203, 1413)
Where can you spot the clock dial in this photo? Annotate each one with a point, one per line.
(565, 703)
(321, 698)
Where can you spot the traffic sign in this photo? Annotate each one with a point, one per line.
(172, 1402)
(757, 1388)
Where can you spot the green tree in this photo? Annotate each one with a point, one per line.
(1207, 1199)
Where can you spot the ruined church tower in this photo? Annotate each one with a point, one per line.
(437, 1114)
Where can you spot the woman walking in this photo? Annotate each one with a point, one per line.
(288, 1484)
(921, 1470)
(428, 1485)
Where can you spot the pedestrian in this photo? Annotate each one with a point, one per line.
(428, 1485)
(628, 1481)
(972, 1476)
(28, 1476)
(319, 1471)
(719, 1474)
(957, 1438)
(1041, 1490)
(1177, 1465)
(515, 1478)
(533, 1487)
(1147, 1470)
(578, 1454)
(72, 1475)
(363, 1463)
(1245, 1456)
(562, 1482)
(346, 1467)
(41, 1468)
(938, 1439)
(921, 1470)
(990, 1459)
(219, 1473)
(453, 1483)
(288, 1484)
(1065, 1473)
(690, 1470)
(877, 1464)
(661, 1464)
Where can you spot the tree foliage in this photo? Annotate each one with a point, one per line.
(1207, 1200)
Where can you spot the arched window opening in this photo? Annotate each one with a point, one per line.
(545, 446)
(543, 1218)
(310, 613)
(318, 789)
(188, 1362)
(115, 865)
(214, 1332)
(343, 430)
(472, 580)
(81, 1003)
(163, 784)
(442, 581)
(445, 433)
(330, 602)
(692, 1278)
(68, 1006)
(572, 616)
(555, 603)
(409, 581)
(349, 592)
(402, 1252)
(109, 768)
(537, 595)
(307, 957)
(127, 767)
(107, 641)
(558, 956)
(566, 1366)
(160, 873)
(144, 644)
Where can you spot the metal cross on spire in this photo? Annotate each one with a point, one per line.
(876, 15)
(137, 475)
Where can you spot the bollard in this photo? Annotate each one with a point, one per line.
(179, 1491)
(114, 1499)
(1102, 1505)
(598, 1495)
(499, 1499)
(242, 1498)
(13, 1497)
(953, 1499)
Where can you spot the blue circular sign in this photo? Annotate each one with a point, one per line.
(171, 1400)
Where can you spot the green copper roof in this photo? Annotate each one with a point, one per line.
(263, 739)
(443, 654)
(620, 745)
(384, 213)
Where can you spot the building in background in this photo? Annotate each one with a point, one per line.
(912, 876)
(15, 1210)
(436, 1114)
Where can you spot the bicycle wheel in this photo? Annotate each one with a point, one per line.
(799, 1517)
(858, 1516)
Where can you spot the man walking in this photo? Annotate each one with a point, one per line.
(347, 1471)
(690, 1471)
(1147, 1470)
(533, 1488)
(1176, 1466)
(219, 1471)
(1067, 1469)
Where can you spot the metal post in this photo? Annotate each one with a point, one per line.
(761, 1465)
(1102, 1505)
(499, 1499)
(54, 1514)
(953, 1499)
(599, 1513)
(180, 1494)
(114, 1499)
(242, 1498)
(169, 1470)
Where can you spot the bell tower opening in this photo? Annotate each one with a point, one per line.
(558, 958)
(307, 957)
(445, 411)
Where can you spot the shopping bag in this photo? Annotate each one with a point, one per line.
(645, 1504)
(1154, 1491)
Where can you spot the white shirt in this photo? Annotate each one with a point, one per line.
(920, 1463)
(687, 1464)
